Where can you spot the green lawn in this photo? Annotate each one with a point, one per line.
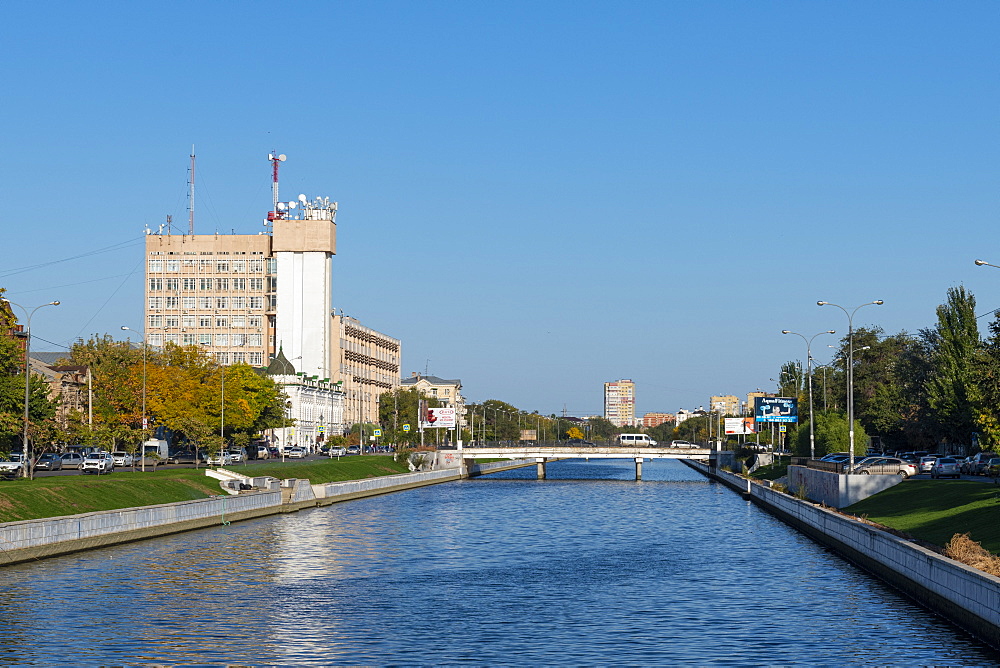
(772, 472)
(935, 510)
(52, 496)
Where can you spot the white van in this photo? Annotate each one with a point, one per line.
(637, 440)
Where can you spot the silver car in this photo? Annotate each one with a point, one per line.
(927, 463)
(946, 467)
(72, 460)
(50, 461)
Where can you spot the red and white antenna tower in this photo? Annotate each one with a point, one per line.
(191, 196)
(275, 159)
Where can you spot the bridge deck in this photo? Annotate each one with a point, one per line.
(582, 452)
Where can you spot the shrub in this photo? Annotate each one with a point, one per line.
(962, 548)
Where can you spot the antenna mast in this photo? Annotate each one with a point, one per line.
(191, 195)
(275, 159)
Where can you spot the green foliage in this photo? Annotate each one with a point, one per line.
(951, 389)
(832, 435)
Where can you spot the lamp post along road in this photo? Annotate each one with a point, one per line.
(850, 370)
(142, 445)
(809, 374)
(27, 468)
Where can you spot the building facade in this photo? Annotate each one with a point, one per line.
(650, 420)
(619, 402)
(448, 392)
(244, 297)
(314, 409)
(728, 404)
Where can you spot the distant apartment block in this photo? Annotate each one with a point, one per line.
(650, 420)
(751, 396)
(619, 402)
(727, 405)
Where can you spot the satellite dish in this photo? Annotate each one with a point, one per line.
(270, 156)
(302, 198)
(281, 206)
(291, 205)
(282, 157)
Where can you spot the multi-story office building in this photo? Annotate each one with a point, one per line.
(650, 420)
(619, 402)
(244, 297)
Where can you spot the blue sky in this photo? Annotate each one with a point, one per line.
(535, 197)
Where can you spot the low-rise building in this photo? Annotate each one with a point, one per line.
(650, 420)
(448, 392)
(314, 408)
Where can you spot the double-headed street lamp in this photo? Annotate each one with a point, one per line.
(850, 370)
(809, 360)
(27, 473)
(142, 447)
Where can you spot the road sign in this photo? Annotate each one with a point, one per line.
(782, 428)
(377, 432)
(406, 427)
(321, 429)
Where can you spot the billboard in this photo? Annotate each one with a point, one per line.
(437, 417)
(776, 409)
(529, 435)
(739, 426)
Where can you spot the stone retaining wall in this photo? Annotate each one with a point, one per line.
(968, 597)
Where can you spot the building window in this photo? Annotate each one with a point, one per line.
(189, 302)
(170, 338)
(272, 284)
(255, 302)
(254, 321)
(156, 339)
(204, 321)
(239, 266)
(222, 358)
(155, 266)
(222, 284)
(188, 339)
(256, 359)
(187, 321)
(154, 321)
(155, 284)
(155, 303)
(239, 302)
(205, 339)
(205, 302)
(205, 265)
(172, 302)
(255, 340)
(171, 321)
(239, 284)
(222, 267)
(221, 321)
(205, 284)
(272, 265)
(257, 284)
(221, 339)
(239, 320)
(239, 339)
(190, 284)
(173, 265)
(272, 303)
(222, 302)
(256, 266)
(239, 358)
(173, 283)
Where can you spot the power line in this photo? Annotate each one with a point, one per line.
(106, 249)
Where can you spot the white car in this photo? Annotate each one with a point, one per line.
(237, 456)
(220, 459)
(122, 458)
(338, 451)
(98, 462)
(10, 468)
(295, 453)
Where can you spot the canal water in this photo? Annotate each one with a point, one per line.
(587, 567)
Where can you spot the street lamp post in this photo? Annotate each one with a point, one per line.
(809, 358)
(850, 370)
(27, 473)
(142, 446)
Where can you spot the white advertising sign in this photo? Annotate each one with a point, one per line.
(735, 426)
(440, 417)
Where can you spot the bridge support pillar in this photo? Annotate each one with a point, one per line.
(638, 468)
(540, 465)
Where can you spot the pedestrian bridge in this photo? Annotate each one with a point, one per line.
(542, 453)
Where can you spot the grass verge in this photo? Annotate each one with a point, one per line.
(772, 472)
(936, 510)
(54, 496)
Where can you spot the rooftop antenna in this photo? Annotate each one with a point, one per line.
(170, 219)
(426, 365)
(191, 195)
(276, 159)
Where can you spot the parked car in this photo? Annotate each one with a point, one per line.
(275, 452)
(237, 455)
(263, 452)
(927, 463)
(71, 460)
(979, 462)
(98, 462)
(337, 451)
(10, 467)
(888, 466)
(682, 444)
(49, 461)
(295, 452)
(122, 458)
(353, 450)
(222, 458)
(946, 467)
(993, 467)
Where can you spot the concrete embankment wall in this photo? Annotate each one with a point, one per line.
(968, 597)
(35, 539)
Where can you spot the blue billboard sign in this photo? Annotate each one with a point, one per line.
(776, 409)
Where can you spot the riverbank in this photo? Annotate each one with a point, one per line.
(55, 496)
(35, 539)
(967, 597)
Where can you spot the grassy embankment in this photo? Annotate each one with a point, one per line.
(53, 496)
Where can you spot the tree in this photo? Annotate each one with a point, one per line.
(951, 388)
(832, 435)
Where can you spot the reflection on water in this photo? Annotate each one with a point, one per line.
(588, 566)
